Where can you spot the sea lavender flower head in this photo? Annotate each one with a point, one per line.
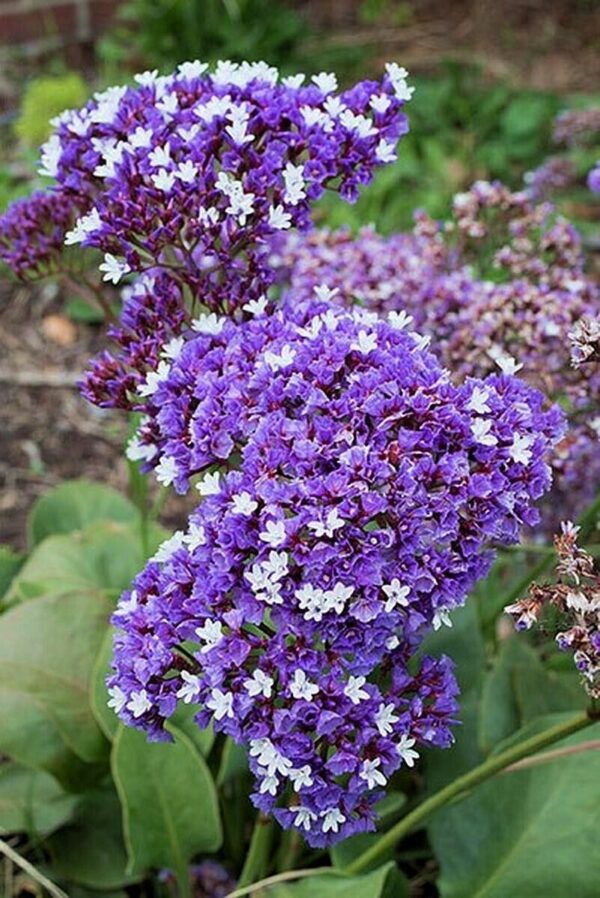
(593, 179)
(368, 491)
(194, 171)
(576, 596)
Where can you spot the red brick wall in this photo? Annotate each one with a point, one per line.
(39, 25)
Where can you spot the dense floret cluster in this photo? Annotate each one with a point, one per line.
(367, 491)
(576, 598)
(193, 172)
(502, 284)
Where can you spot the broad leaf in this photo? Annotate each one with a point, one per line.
(74, 505)
(170, 809)
(32, 801)
(388, 810)
(47, 649)
(91, 850)
(106, 718)
(529, 833)
(10, 564)
(104, 556)
(386, 882)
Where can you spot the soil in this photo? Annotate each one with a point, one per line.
(48, 431)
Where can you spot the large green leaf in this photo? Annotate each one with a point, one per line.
(386, 882)
(47, 649)
(517, 689)
(170, 808)
(91, 850)
(74, 505)
(463, 642)
(388, 810)
(10, 564)
(104, 556)
(105, 716)
(31, 801)
(527, 833)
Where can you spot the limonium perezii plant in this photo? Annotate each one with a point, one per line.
(350, 491)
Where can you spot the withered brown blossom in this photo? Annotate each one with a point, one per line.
(576, 596)
(585, 341)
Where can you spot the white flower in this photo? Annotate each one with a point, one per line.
(85, 225)
(164, 180)
(237, 131)
(354, 691)
(313, 116)
(380, 102)
(190, 688)
(441, 618)
(126, 606)
(325, 81)
(480, 428)
(396, 595)
(208, 323)
(167, 105)
(332, 523)
(371, 774)
(333, 818)
(138, 451)
(160, 157)
(51, 153)
(195, 537)
(519, 451)
(360, 124)
(405, 749)
(188, 134)
(301, 777)
(505, 362)
(385, 719)
(336, 598)
(147, 78)
(304, 817)
(302, 688)
(334, 106)
(154, 379)
(221, 703)
(399, 320)
(365, 344)
(209, 485)
(192, 69)
(187, 172)
(168, 547)
(259, 683)
(283, 360)
(172, 350)
(113, 268)
(256, 306)
(479, 401)
(325, 293)
(578, 602)
(243, 503)
(269, 784)
(279, 219)
(141, 137)
(274, 534)
(166, 470)
(391, 643)
(211, 634)
(294, 183)
(117, 700)
(397, 76)
(139, 703)
(293, 81)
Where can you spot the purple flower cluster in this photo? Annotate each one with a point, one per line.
(194, 172)
(368, 488)
(32, 233)
(593, 179)
(503, 284)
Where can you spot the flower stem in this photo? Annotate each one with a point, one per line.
(257, 859)
(460, 786)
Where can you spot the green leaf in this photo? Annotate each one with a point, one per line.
(170, 808)
(463, 642)
(105, 717)
(10, 564)
(46, 656)
(346, 851)
(75, 504)
(183, 721)
(526, 833)
(91, 850)
(386, 882)
(80, 310)
(105, 556)
(31, 801)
